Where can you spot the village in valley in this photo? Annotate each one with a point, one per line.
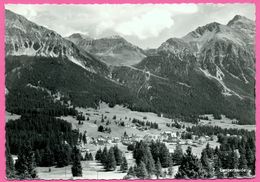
(124, 128)
(135, 96)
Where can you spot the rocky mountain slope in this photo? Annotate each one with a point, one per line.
(42, 66)
(210, 70)
(23, 37)
(114, 50)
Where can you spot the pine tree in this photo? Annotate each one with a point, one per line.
(90, 157)
(131, 172)
(142, 153)
(76, 168)
(170, 168)
(207, 164)
(110, 164)
(63, 157)
(124, 165)
(141, 171)
(243, 165)
(164, 155)
(190, 167)
(158, 168)
(118, 155)
(209, 151)
(234, 162)
(98, 154)
(177, 155)
(218, 164)
(86, 158)
(104, 156)
(38, 157)
(149, 161)
(250, 159)
(25, 165)
(47, 158)
(84, 138)
(10, 171)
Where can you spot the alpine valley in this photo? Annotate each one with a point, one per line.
(108, 109)
(210, 70)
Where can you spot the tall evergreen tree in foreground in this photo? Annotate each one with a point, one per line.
(76, 168)
(170, 168)
(124, 165)
(143, 154)
(190, 167)
(104, 156)
(243, 165)
(47, 158)
(110, 164)
(141, 171)
(10, 171)
(98, 155)
(177, 155)
(158, 168)
(218, 163)
(234, 162)
(118, 155)
(131, 172)
(207, 164)
(25, 164)
(63, 156)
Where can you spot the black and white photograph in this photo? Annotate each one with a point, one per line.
(130, 91)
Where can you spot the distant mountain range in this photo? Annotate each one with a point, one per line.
(210, 70)
(114, 50)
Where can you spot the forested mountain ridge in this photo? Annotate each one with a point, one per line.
(42, 67)
(210, 70)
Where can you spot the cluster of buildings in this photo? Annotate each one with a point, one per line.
(168, 137)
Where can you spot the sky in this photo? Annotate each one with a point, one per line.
(145, 25)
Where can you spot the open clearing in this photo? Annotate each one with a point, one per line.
(122, 114)
(225, 122)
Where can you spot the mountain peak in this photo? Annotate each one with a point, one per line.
(239, 18)
(76, 35)
(9, 13)
(79, 36)
(210, 27)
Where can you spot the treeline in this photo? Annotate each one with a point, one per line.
(40, 131)
(234, 158)
(217, 163)
(31, 101)
(88, 157)
(38, 140)
(153, 125)
(202, 130)
(25, 166)
(238, 152)
(150, 159)
(111, 158)
(175, 124)
(76, 84)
